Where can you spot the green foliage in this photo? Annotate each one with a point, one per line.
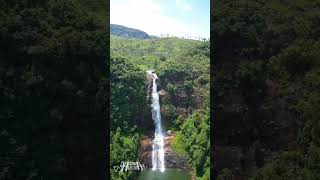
(203, 80)
(206, 174)
(127, 107)
(52, 83)
(172, 89)
(123, 147)
(293, 165)
(288, 166)
(309, 111)
(226, 174)
(296, 60)
(267, 61)
(195, 133)
(178, 145)
(251, 79)
(146, 52)
(188, 86)
(169, 113)
(127, 93)
(98, 7)
(183, 70)
(179, 121)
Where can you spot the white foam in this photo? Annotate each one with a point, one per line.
(157, 143)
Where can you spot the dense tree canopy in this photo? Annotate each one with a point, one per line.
(183, 69)
(266, 56)
(53, 90)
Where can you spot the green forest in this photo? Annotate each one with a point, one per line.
(53, 89)
(183, 67)
(266, 89)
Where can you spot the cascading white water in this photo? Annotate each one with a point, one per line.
(157, 145)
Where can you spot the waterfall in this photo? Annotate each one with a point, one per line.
(157, 143)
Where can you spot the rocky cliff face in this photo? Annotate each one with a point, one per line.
(172, 159)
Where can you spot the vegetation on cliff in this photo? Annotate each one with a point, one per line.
(127, 107)
(183, 69)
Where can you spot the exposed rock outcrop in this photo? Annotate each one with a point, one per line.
(172, 159)
(163, 93)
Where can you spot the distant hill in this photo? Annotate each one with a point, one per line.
(124, 31)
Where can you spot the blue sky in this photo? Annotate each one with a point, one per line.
(188, 18)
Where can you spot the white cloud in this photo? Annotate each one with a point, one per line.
(145, 15)
(184, 5)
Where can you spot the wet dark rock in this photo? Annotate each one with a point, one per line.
(172, 159)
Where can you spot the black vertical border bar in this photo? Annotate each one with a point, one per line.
(107, 118)
(213, 174)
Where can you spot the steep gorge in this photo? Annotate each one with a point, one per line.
(146, 150)
(183, 87)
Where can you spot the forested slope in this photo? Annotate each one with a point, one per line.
(183, 69)
(266, 89)
(53, 91)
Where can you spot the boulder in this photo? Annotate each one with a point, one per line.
(163, 93)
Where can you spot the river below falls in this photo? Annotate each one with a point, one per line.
(168, 174)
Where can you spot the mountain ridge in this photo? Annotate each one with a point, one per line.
(123, 31)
